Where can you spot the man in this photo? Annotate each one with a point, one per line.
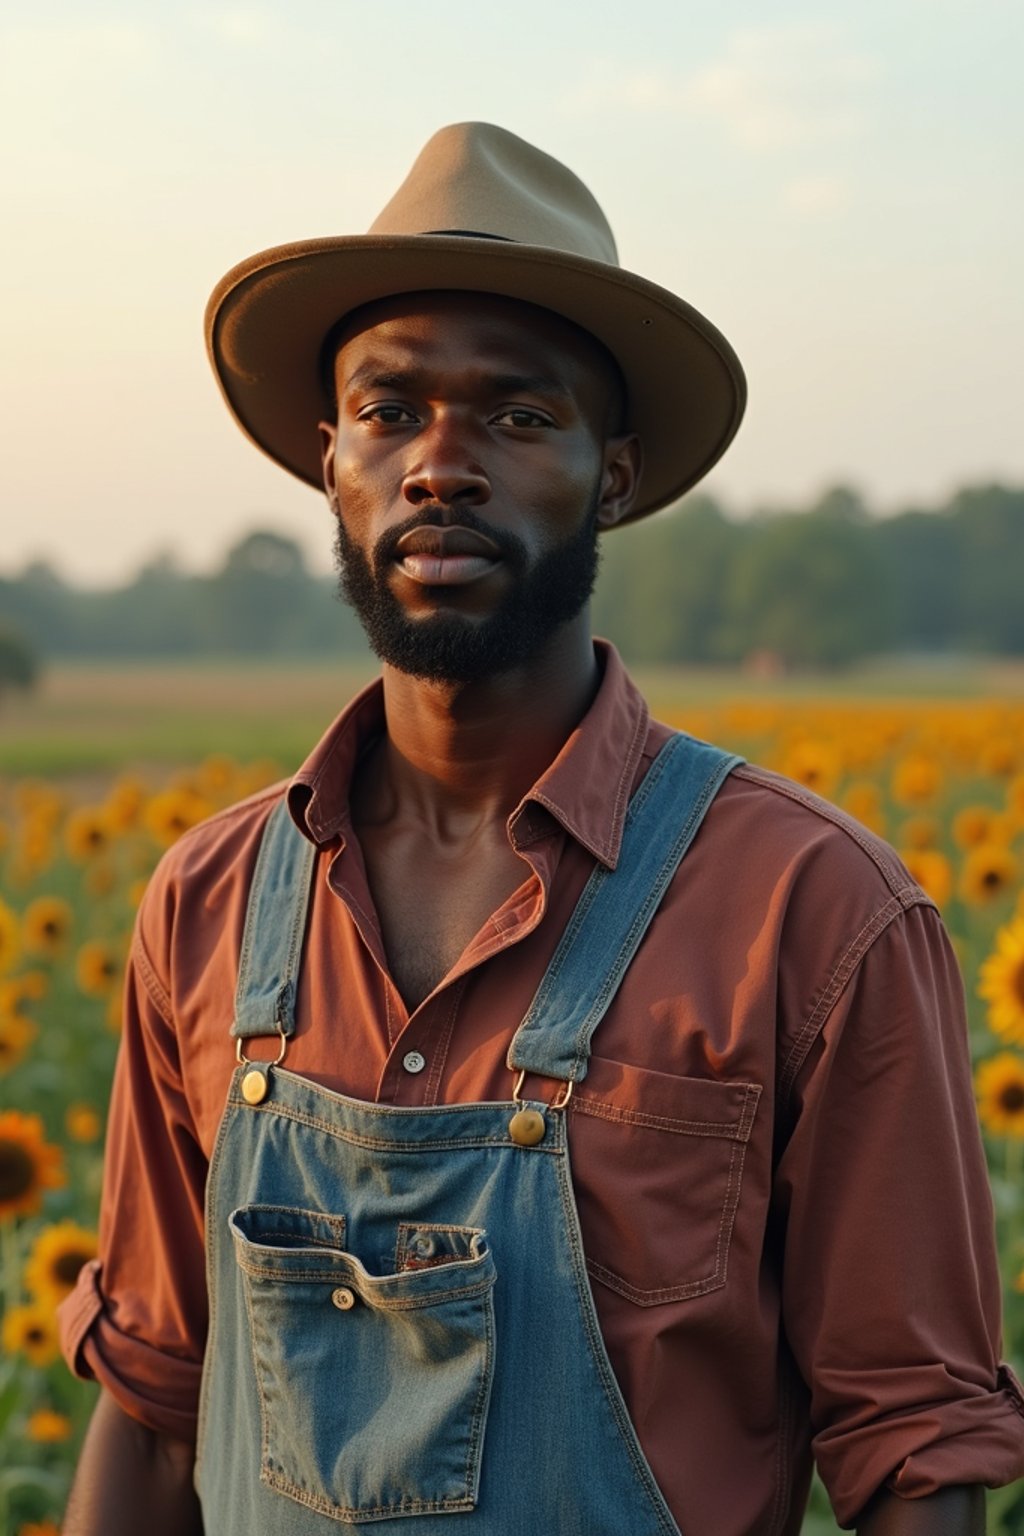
(501, 921)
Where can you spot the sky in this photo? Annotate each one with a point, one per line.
(836, 186)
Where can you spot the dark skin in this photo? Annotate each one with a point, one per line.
(430, 804)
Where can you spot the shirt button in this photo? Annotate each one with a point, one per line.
(412, 1061)
(343, 1298)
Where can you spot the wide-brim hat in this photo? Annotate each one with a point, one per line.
(481, 210)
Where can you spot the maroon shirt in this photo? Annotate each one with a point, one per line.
(806, 1267)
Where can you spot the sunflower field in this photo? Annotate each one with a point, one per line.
(942, 781)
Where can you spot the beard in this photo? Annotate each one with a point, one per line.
(449, 647)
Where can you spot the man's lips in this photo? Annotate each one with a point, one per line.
(445, 557)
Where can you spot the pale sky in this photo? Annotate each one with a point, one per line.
(836, 186)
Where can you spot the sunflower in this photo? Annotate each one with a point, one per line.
(814, 764)
(28, 1164)
(57, 1255)
(170, 814)
(47, 1427)
(10, 937)
(863, 800)
(1001, 983)
(999, 1087)
(31, 1331)
(931, 871)
(97, 969)
(916, 780)
(86, 833)
(46, 925)
(124, 804)
(82, 1123)
(988, 872)
(16, 1035)
(920, 832)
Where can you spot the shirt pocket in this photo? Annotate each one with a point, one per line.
(658, 1168)
(338, 1351)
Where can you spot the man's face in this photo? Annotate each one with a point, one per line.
(470, 467)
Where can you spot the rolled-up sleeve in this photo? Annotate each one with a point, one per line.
(891, 1290)
(136, 1321)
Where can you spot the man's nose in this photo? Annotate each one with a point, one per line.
(446, 469)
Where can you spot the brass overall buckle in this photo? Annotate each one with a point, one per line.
(527, 1126)
(256, 1082)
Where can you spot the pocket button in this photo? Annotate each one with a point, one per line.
(343, 1298)
(423, 1246)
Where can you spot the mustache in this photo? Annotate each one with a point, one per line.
(511, 548)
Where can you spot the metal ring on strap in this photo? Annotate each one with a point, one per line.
(245, 1061)
(560, 1100)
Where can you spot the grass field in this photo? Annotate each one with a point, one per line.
(117, 717)
(104, 766)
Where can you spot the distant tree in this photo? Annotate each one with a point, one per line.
(19, 667)
(810, 589)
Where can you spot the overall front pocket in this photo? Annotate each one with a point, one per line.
(373, 1388)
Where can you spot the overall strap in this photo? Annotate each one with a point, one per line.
(274, 926)
(615, 909)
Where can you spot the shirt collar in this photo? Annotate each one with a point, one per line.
(586, 789)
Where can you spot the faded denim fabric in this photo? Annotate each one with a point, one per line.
(401, 1320)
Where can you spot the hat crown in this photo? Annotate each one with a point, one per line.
(476, 178)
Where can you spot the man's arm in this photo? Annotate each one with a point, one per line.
(950, 1512)
(131, 1479)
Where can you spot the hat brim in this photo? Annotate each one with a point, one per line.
(267, 319)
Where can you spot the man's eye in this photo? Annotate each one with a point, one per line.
(387, 415)
(519, 416)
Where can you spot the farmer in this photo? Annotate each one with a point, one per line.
(582, 1116)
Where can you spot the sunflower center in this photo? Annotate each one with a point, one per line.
(67, 1265)
(992, 879)
(1011, 1099)
(34, 1334)
(17, 1171)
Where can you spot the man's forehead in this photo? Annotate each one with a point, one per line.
(404, 329)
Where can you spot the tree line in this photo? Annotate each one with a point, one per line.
(821, 587)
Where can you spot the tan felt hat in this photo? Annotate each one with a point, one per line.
(484, 211)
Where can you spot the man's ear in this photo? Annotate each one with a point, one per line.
(620, 478)
(328, 438)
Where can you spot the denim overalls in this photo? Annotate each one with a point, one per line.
(401, 1321)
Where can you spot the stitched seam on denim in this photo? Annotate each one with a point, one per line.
(439, 1053)
(582, 908)
(280, 1484)
(841, 973)
(334, 1277)
(483, 1395)
(599, 1357)
(243, 983)
(382, 1144)
(683, 1128)
(257, 1377)
(339, 1223)
(211, 1226)
(642, 918)
(407, 1228)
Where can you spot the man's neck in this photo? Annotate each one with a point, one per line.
(458, 754)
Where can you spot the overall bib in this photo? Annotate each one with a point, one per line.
(401, 1322)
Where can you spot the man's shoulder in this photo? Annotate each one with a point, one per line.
(794, 823)
(200, 886)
